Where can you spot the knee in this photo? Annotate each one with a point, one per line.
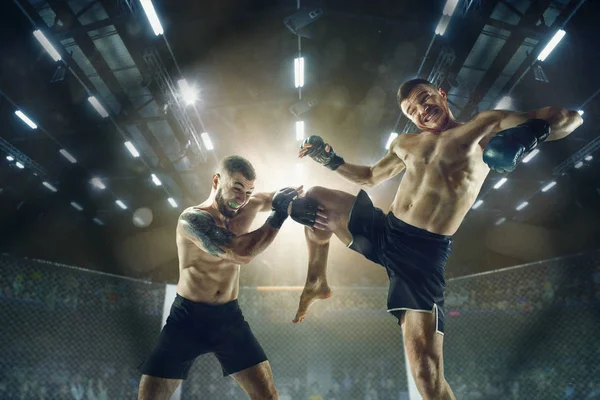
(317, 193)
(429, 377)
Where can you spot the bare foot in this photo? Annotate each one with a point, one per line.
(311, 293)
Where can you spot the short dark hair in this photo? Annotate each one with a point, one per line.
(407, 86)
(233, 164)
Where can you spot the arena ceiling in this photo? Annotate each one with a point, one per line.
(240, 57)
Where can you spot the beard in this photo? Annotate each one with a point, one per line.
(222, 206)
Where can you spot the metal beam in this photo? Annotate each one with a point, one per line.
(464, 32)
(63, 33)
(123, 20)
(563, 18)
(537, 32)
(89, 49)
(532, 15)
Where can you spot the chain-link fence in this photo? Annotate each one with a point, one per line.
(349, 347)
(527, 332)
(522, 333)
(68, 333)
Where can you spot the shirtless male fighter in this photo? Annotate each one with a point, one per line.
(212, 242)
(446, 165)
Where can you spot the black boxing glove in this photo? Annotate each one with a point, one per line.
(304, 211)
(279, 205)
(508, 147)
(318, 153)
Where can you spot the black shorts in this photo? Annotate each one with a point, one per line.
(414, 258)
(193, 329)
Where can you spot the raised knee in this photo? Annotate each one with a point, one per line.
(317, 192)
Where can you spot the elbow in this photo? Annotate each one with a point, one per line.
(369, 183)
(243, 257)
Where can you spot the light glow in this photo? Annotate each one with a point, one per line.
(299, 72)
(152, 16)
(206, 140)
(505, 103)
(156, 181)
(132, 149)
(551, 45)
(499, 184)
(68, 156)
(97, 182)
(522, 206)
(299, 130)
(188, 93)
(549, 186)
(96, 104)
(121, 204)
(477, 204)
(47, 45)
(172, 202)
(76, 206)
(393, 136)
(25, 119)
(49, 186)
(529, 156)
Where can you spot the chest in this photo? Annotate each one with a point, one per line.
(432, 150)
(241, 223)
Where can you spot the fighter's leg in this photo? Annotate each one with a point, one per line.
(257, 382)
(153, 388)
(337, 205)
(424, 349)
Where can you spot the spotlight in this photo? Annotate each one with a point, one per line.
(26, 119)
(99, 108)
(529, 156)
(68, 156)
(152, 17)
(132, 149)
(97, 183)
(499, 184)
(299, 130)
(49, 186)
(46, 44)
(551, 45)
(206, 140)
(522, 206)
(299, 72)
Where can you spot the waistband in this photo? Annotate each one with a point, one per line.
(181, 301)
(396, 223)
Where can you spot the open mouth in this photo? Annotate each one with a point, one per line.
(233, 205)
(431, 115)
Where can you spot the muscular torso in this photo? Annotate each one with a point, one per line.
(204, 277)
(444, 174)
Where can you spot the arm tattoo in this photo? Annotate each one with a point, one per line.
(201, 225)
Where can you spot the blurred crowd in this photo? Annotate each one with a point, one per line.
(557, 291)
(364, 379)
(68, 380)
